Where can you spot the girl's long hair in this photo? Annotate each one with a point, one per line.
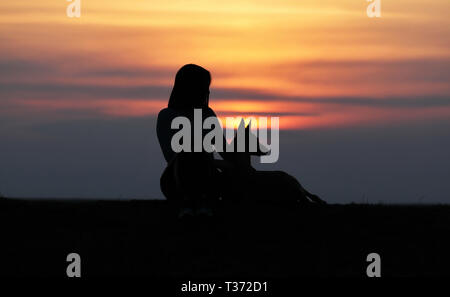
(191, 88)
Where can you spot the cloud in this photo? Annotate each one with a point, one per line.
(49, 91)
(60, 88)
(16, 68)
(374, 71)
(55, 91)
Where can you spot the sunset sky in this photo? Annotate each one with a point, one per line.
(318, 64)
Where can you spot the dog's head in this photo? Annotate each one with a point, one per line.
(246, 140)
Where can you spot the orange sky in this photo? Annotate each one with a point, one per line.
(300, 60)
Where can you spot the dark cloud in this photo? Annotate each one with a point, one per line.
(399, 102)
(60, 91)
(126, 73)
(52, 69)
(270, 114)
(95, 92)
(13, 72)
(423, 70)
(13, 68)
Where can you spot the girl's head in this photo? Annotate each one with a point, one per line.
(191, 88)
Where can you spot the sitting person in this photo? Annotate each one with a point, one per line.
(195, 178)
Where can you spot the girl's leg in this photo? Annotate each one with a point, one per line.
(193, 179)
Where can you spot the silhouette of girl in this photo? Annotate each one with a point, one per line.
(197, 178)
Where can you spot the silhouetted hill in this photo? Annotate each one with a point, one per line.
(145, 238)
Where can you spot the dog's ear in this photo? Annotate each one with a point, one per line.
(261, 150)
(247, 128)
(236, 133)
(242, 125)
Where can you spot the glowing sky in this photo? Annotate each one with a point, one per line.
(314, 63)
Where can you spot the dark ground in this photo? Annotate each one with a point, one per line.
(145, 238)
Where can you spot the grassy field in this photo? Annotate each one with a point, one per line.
(267, 240)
